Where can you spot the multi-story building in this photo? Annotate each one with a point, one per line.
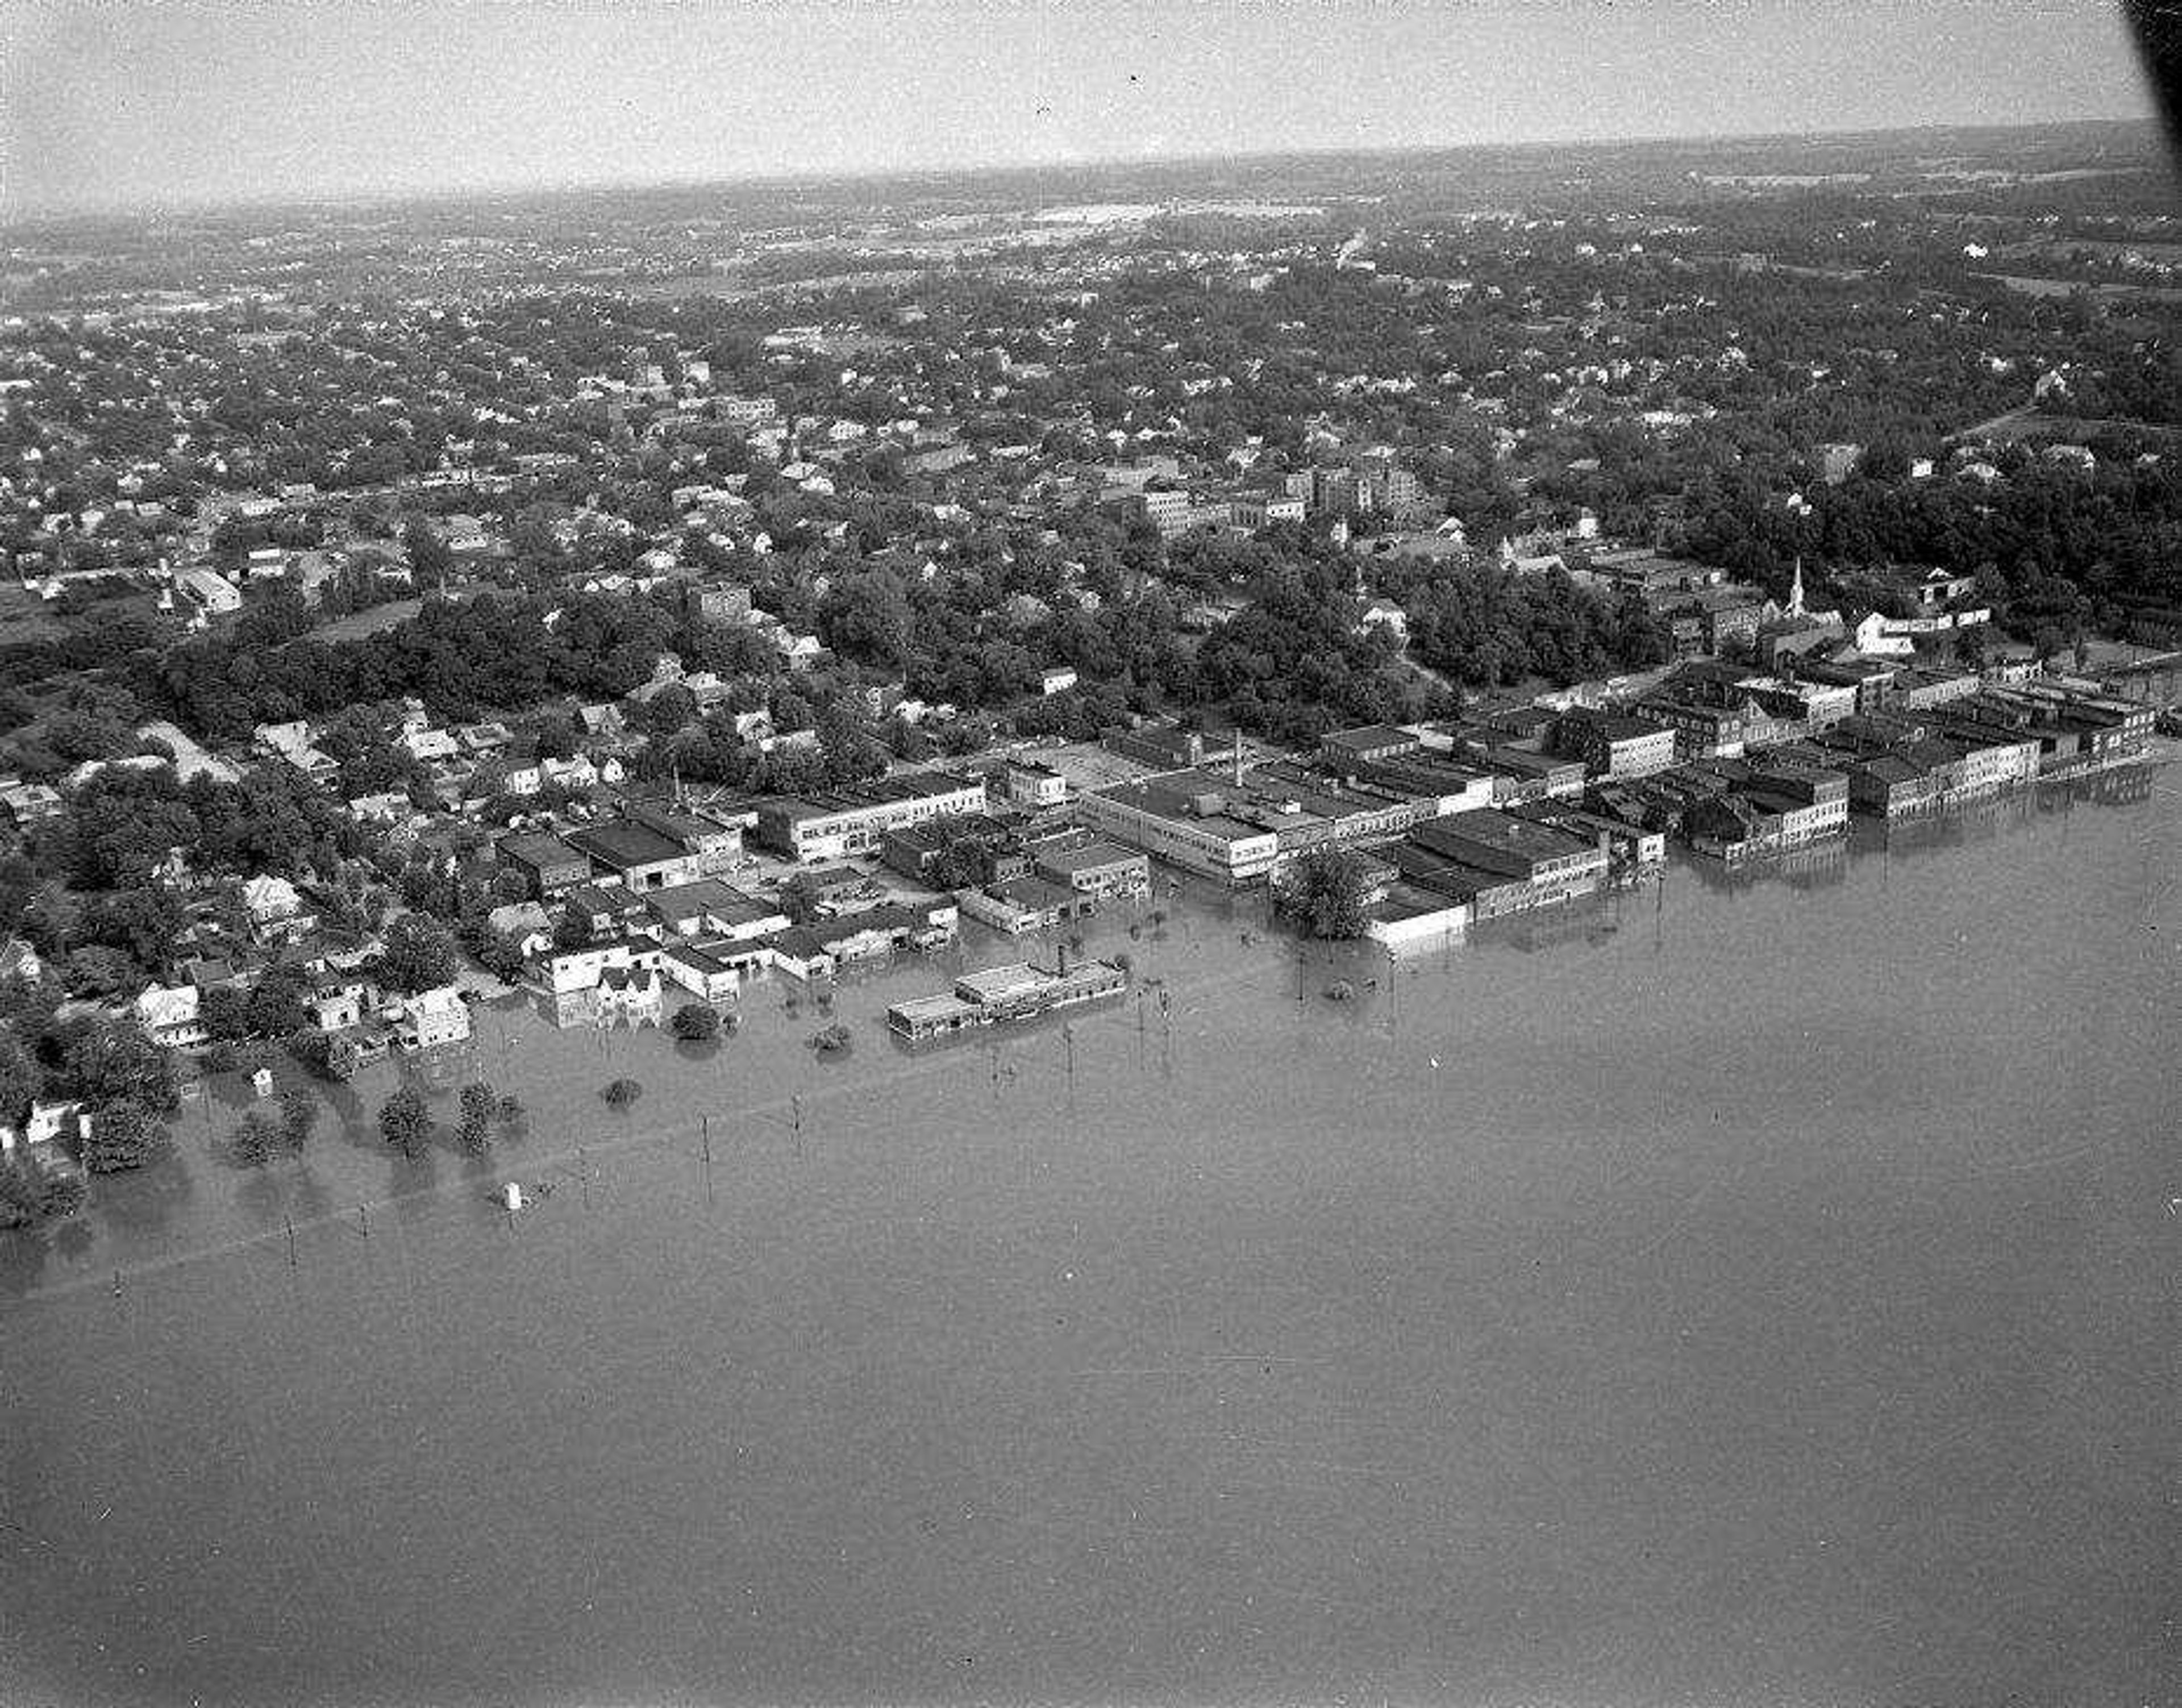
(714, 840)
(431, 1018)
(747, 412)
(1764, 809)
(1342, 751)
(635, 855)
(1514, 863)
(1257, 510)
(1611, 744)
(1099, 869)
(1169, 510)
(547, 865)
(169, 1015)
(723, 602)
(854, 821)
(1031, 784)
(1182, 816)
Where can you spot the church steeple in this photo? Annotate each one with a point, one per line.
(1795, 589)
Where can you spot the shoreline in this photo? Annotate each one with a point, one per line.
(1267, 945)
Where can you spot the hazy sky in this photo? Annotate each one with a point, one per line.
(108, 101)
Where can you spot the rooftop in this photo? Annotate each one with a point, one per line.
(1089, 857)
(999, 984)
(622, 844)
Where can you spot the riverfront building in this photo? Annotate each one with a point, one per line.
(1182, 817)
(1613, 744)
(1100, 869)
(1004, 993)
(841, 822)
(1239, 831)
(1507, 864)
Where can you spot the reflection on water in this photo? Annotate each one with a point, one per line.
(1752, 1293)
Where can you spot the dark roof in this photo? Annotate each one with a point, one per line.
(599, 899)
(539, 848)
(1371, 737)
(624, 844)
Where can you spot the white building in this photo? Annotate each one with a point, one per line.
(170, 1015)
(432, 1018)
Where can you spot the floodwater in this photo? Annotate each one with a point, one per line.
(1756, 1291)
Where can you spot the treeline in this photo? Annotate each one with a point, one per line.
(2056, 550)
(1486, 627)
(462, 658)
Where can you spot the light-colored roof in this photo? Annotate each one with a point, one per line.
(999, 984)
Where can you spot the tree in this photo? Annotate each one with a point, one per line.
(61, 1193)
(514, 1117)
(21, 1201)
(571, 929)
(405, 1122)
(419, 955)
(276, 1005)
(123, 1134)
(109, 1061)
(696, 1023)
(20, 1078)
(474, 1129)
(299, 1114)
(254, 1141)
(1326, 892)
(429, 558)
(332, 1056)
(621, 1093)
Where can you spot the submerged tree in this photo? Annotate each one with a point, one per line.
(405, 1122)
(123, 1135)
(299, 1114)
(696, 1023)
(254, 1141)
(1326, 892)
(474, 1127)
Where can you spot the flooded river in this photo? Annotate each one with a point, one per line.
(1761, 1292)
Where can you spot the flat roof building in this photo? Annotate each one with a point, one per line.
(854, 821)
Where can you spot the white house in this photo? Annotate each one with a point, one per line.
(432, 1018)
(274, 908)
(170, 1015)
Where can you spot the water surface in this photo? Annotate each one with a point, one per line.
(1760, 1291)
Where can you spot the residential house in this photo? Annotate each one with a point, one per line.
(431, 1018)
(275, 909)
(169, 1015)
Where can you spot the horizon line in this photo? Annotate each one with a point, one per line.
(490, 191)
